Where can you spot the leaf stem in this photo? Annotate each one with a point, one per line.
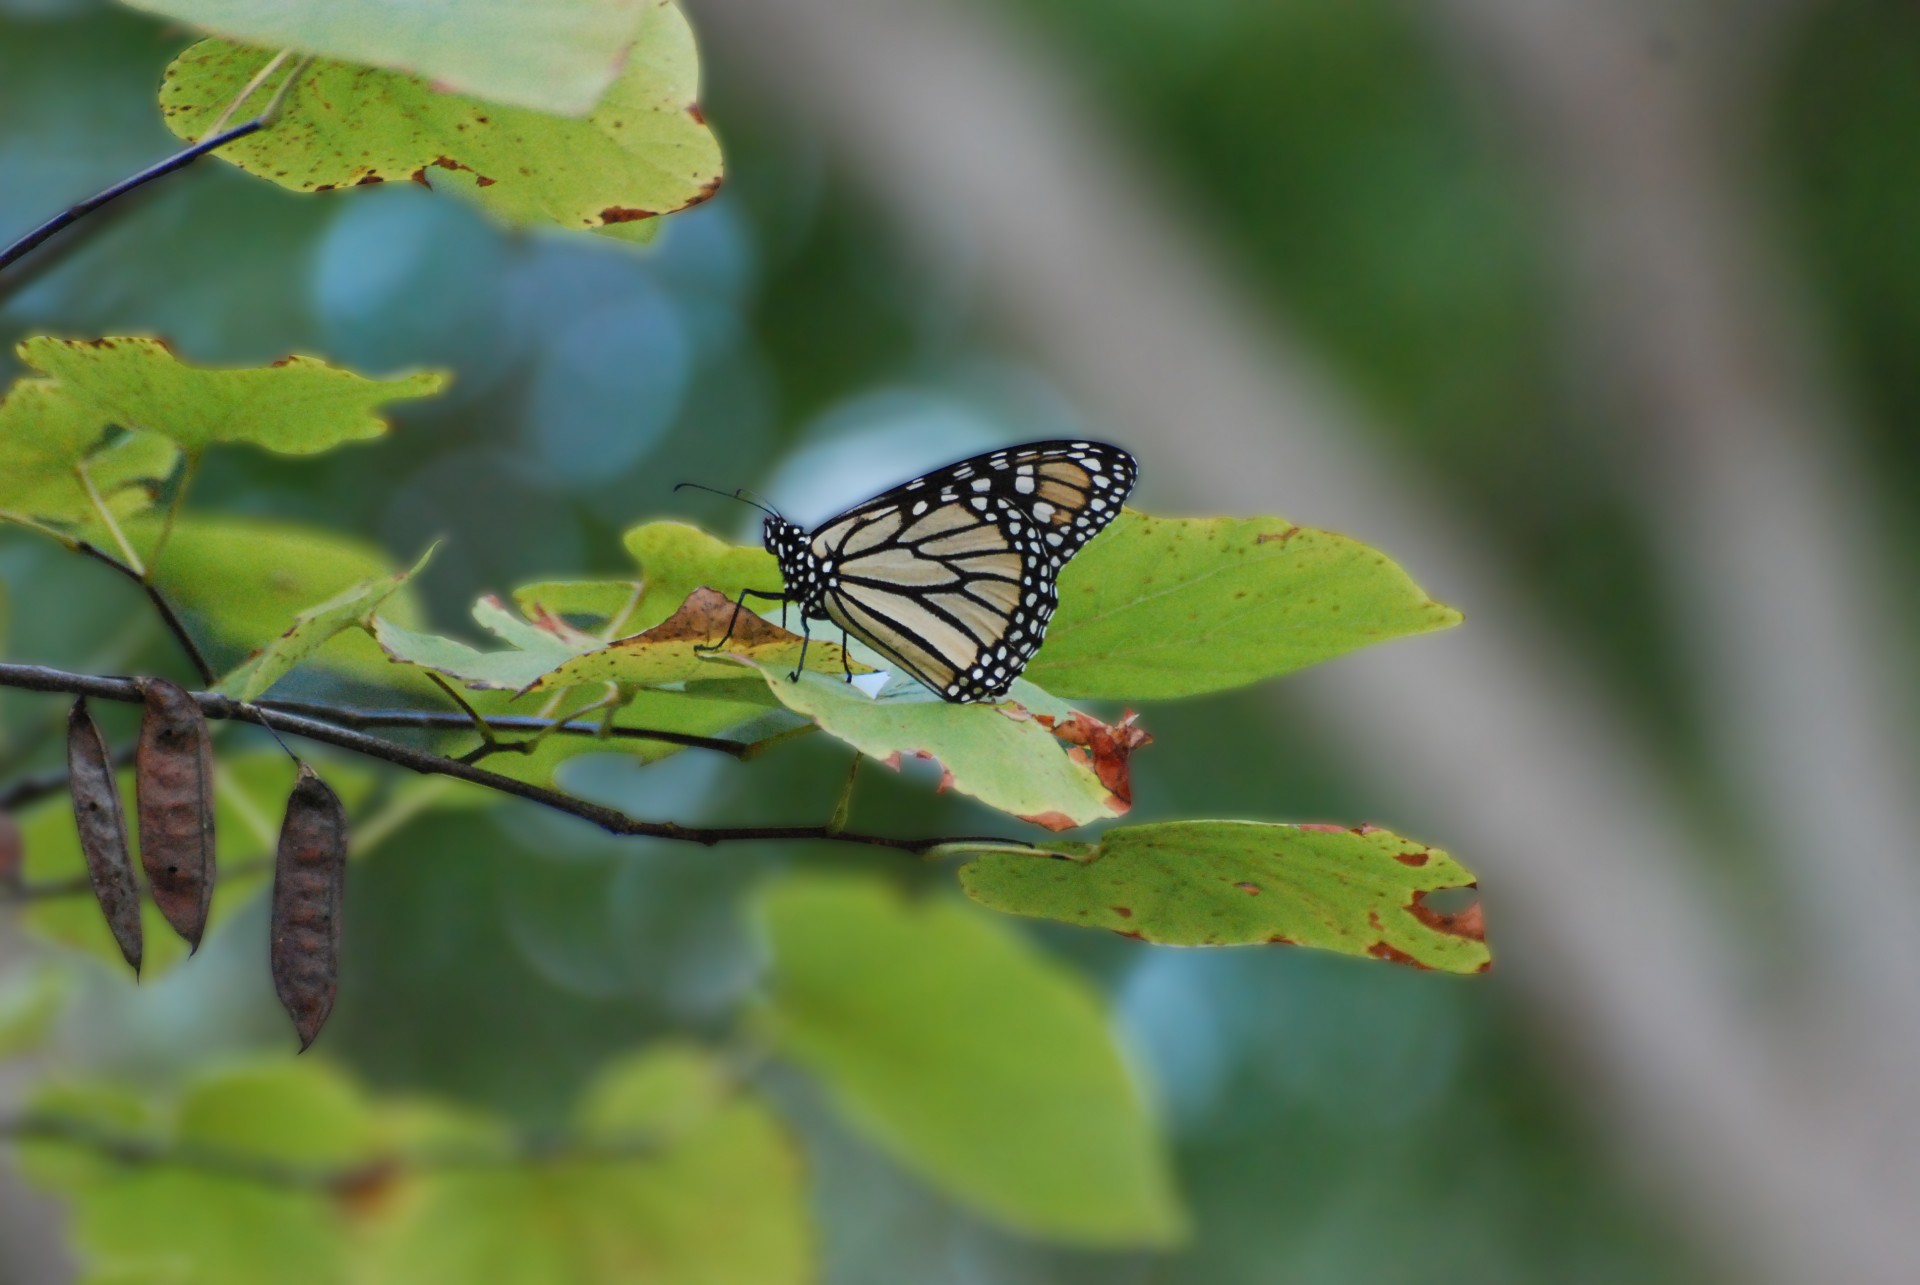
(168, 616)
(137, 567)
(247, 91)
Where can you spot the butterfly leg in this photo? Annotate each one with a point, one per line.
(734, 619)
(846, 657)
(806, 636)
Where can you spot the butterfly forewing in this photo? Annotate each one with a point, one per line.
(952, 575)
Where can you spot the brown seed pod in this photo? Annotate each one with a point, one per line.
(12, 852)
(102, 823)
(309, 882)
(173, 778)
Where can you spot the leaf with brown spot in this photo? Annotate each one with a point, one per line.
(173, 783)
(309, 885)
(1226, 883)
(998, 754)
(1109, 744)
(102, 825)
(636, 149)
(681, 649)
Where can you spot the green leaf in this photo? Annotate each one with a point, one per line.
(245, 578)
(298, 406)
(250, 795)
(998, 753)
(680, 650)
(675, 559)
(556, 56)
(190, 1225)
(311, 630)
(643, 151)
(534, 648)
(698, 1185)
(1227, 883)
(971, 1057)
(1164, 607)
(53, 445)
(291, 1112)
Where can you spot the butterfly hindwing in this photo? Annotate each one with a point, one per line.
(952, 575)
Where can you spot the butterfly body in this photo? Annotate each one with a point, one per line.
(952, 576)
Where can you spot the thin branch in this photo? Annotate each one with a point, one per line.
(215, 140)
(108, 521)
(32, 789)
(141, 1152)
(441, 720)
(168, 616)
(74, 213)
(40, 678)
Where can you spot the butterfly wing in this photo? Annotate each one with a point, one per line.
(952, 576)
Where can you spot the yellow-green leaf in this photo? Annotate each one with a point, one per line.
(696, 1183)
(54, 445)
(311, 630)
(1163, 607)
(971, 1057)
(999, 753)
(533, 648)
(297, 406)
(675, 559)
(643, 151)
(1361, 892)
(245, 578)
(180, 1223)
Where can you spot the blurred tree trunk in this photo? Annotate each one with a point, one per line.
(1776, 1125)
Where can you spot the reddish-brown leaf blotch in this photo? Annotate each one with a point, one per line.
(309, 881)
(102, 823)
(173, 779)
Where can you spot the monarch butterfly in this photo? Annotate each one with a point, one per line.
(952, 576)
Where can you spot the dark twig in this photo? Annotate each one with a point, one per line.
(138, 1152)
(446, 720)
(40, 678)
(74, 213)
(168, 616)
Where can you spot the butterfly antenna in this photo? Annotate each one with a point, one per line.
(740, 495)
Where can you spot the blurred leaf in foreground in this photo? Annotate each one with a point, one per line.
(970, 1056)
(684, 1180)
(556, 56)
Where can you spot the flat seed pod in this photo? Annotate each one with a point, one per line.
(102, 823)
(173, 777)
(12, 853)
(309, 882)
